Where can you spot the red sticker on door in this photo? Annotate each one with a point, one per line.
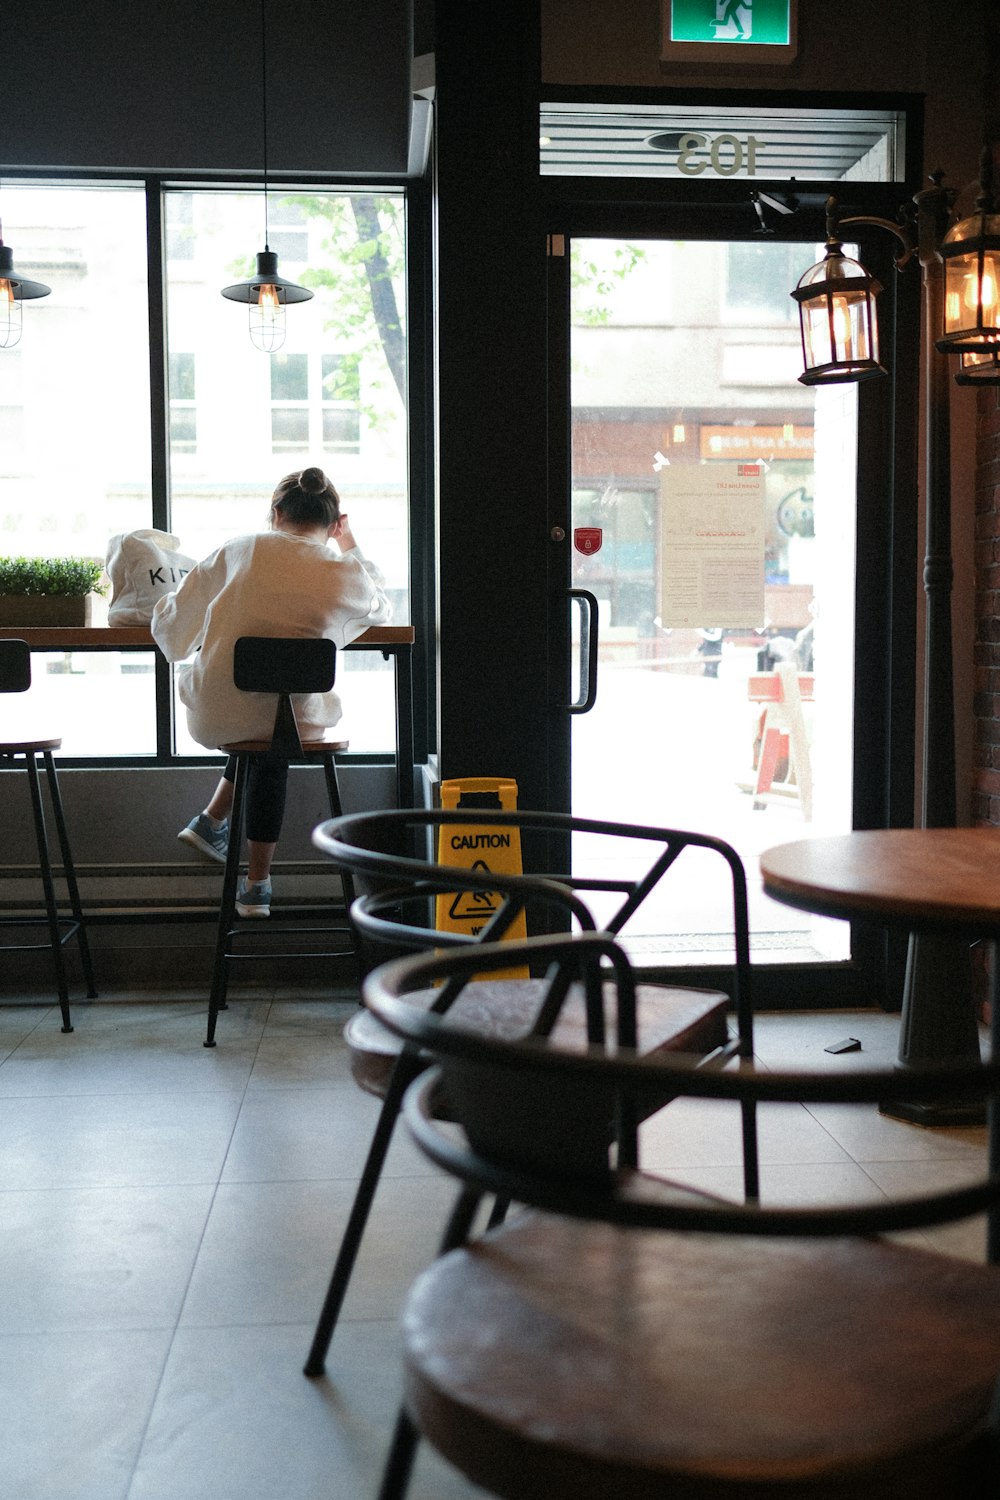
(588, 539)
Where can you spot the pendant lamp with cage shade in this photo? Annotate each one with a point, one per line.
(266, 294)
(15, 289)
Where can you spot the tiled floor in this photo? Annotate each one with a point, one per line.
(170, 1215)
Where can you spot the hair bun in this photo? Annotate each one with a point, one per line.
(313, 481)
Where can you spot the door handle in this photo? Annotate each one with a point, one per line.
(588, 651)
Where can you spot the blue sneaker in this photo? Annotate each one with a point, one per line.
(253, 899)
(213, 843)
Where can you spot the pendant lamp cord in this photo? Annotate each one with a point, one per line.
(263, 96)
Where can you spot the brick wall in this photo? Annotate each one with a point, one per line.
(986, 704)
(986, 762)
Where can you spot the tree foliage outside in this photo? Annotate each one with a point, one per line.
(362, 284)
(597, 269)
(361, 280)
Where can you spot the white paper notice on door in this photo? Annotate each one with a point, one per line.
(712, 545)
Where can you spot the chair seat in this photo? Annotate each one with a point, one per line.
(261, 747)
(670, 1020)
(27, 746)
(612, 1361)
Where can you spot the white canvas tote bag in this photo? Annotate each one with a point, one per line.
(143, 567)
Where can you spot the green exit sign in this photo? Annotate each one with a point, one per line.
(720, 30)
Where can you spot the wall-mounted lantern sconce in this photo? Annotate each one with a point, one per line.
(979, 367)
(836, 297)
(837, 311)
(836, 300)
(960, 283)
(971, 254)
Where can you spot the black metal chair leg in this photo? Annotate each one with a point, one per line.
(336, 809)
(346, 880)
(227, 906)
(751, 1162)
(406, 1069)
(399, 1464)
(403, 1448)
(498, 1212)
(460, 1220)
(69, 872)
(52, 912)
(348, 893)
(332, 785)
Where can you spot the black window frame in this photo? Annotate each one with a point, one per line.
(420, 426)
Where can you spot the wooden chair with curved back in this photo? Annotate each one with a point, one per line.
(395, 911)
(627, 1336)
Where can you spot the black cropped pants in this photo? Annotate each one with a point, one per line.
(267, 786)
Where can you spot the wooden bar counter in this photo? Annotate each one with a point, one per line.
(392, 641)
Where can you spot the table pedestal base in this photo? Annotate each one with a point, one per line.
(939, 1023)
(960, 1113)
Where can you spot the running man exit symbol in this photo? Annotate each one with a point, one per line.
(731, 22)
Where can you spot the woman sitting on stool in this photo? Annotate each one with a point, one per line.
(281, 582)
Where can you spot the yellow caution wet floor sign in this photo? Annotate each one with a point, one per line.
(472, 847)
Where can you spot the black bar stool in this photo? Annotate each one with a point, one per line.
(283, 666)
(15, 677)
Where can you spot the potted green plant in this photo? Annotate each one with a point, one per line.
(48, 590)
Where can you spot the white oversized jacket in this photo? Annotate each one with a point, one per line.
(272, 583)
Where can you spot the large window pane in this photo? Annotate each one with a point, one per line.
(75, 446)
(341, 429)
(182, 384)
(103, 701)
(726, 623)
(74, 432)
(333, 395)
(289, 430)
(74, 393)
(289, 377)
(223, 489)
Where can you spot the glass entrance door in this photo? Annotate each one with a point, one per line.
(714, 519)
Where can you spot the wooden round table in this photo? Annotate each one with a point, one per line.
(935, 878)
(942, 883)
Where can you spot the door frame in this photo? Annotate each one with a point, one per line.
(885, 592)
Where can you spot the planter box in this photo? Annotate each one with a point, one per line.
(52, 610)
